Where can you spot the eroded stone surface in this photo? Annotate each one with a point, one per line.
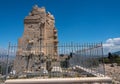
(38, 43)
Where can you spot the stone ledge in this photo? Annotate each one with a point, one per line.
(96, 80)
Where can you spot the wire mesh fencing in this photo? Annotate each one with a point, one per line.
(67, 60)
(3, 63)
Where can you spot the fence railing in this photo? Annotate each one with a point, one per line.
(64, 61)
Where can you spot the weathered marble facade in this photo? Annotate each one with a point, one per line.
(39, 41)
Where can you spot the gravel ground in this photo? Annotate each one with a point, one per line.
(113, 72)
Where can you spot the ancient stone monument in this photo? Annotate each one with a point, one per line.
(38, 45)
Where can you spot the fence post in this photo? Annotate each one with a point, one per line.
(7, 61)
(103, 59)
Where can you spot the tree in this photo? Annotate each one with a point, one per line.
(111, 58)
(71, 54)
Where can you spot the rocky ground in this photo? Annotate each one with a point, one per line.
(113, 72)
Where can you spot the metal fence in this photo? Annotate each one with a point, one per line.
(68, 60)
(3, 63)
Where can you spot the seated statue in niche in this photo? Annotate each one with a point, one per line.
(50, 16)
(50, 19)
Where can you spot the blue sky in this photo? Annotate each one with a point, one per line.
(76, 20)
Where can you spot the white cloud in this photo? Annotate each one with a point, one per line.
(111, 45)
(114, 41)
